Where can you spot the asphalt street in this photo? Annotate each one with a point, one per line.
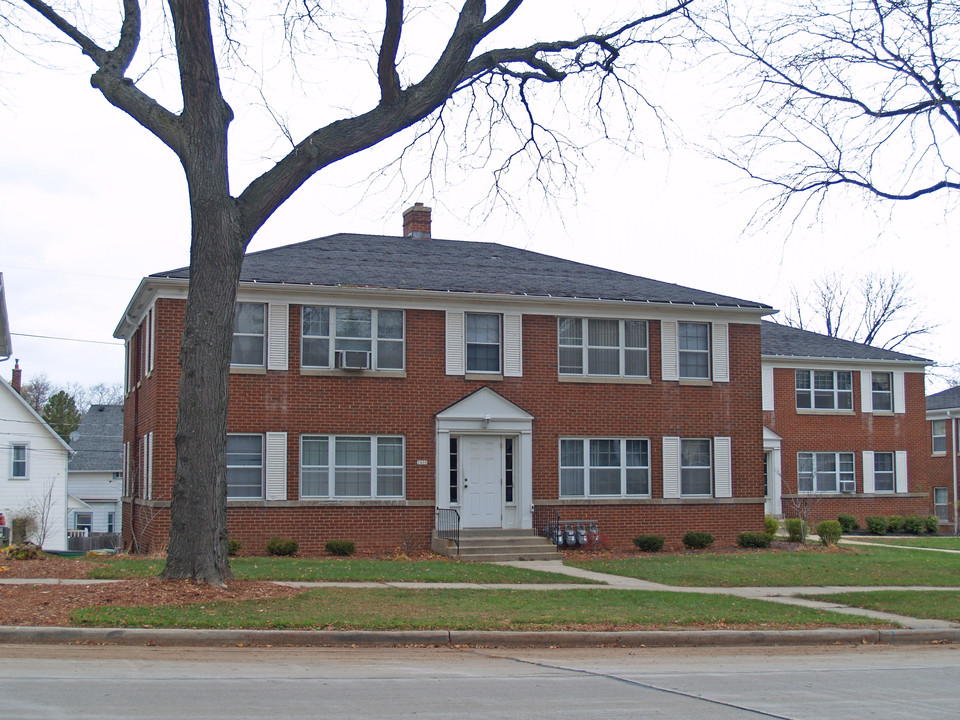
(569, 684)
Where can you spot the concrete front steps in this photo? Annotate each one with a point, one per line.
(497, 545)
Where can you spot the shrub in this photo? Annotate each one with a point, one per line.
(342, 548)
(234, 547)
(282, 546)
(877, 525)
(25, 550)
(848, 522)
(914, 524)
(754, 539)
(771, 525)
(895, 524)
(697, 540)
(829, 532)
(932, 525)
(649, 543)
(795, 530)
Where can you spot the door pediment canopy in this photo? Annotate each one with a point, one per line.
(484, 403)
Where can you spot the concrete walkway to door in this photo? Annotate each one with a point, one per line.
(783, 595)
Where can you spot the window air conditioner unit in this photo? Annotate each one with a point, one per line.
(353, 359)
(848, 486)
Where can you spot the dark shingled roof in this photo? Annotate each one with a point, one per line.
(374, 261)
(98, 442)
(949, 398)
(783, 340)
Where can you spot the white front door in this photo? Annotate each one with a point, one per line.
(481, 467)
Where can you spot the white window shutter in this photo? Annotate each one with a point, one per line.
(669, 364)
(723, 470)
(151, 339)
(721, 353)
(899, 393)
(671, 467)
(869, 483)
(455, 360)
(127, 374)
(900, 471)
(276, 466)
(866, 391)
(278, 336)
(766, 388)
(513, 345)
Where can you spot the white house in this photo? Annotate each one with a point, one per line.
(95, 478)
(33, 463)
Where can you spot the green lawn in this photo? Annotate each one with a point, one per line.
(944, 605)
(342, 569)
(853, 565)
(934, 541)
(432, 608)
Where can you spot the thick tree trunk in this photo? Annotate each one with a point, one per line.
(198, 527)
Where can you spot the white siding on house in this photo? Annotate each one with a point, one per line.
(46, 483)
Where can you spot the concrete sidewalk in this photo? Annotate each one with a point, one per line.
(917, 630)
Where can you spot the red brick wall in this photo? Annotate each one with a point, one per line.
(854, 432)
(940, 467)
(286, 401)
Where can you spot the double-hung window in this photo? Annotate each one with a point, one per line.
(358, 338)
(824, 389)
(604, 467)
(351, 466)
(18, 461)
(696, 467)
(882, 390)
(939, 428)
(693, 347)
(244, 466)
(941, 504)
(883, 472)
(593, 346)
(83, 522)
(824, 472)
(483, 338)
(249, 335)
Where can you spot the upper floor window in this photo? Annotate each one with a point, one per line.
(482, 334)
(18, 461)
(604, 467)
(356, 338)
(939, 436)
(693, 346)
(825, 472)
(824, 389)
(594, 346)
(882, 388)
(351, 466)
(249, 334)
(244, 466)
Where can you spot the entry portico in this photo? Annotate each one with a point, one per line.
(485, 461)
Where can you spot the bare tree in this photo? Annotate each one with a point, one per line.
(413, 84)
(873, 309)
(37, 392)
(860, 94)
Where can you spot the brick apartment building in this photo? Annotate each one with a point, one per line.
(378, 382)
(943, 423)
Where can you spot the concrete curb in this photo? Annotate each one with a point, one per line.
(18, 635)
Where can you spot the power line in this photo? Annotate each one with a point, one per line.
(52, 337)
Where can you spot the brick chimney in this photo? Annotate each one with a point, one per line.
(15, 380)
(416, 222)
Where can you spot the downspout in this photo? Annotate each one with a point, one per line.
(953, 443)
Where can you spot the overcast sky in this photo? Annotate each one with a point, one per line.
(90, 203)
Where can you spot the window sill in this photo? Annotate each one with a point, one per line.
(604, 379)
(334, 372)
(695, 382)
(483, 377)
(882, 413)
(809, 411)
(19, 479)
(247, 370)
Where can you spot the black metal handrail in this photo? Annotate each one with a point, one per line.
(448, 525)
(545, 519)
